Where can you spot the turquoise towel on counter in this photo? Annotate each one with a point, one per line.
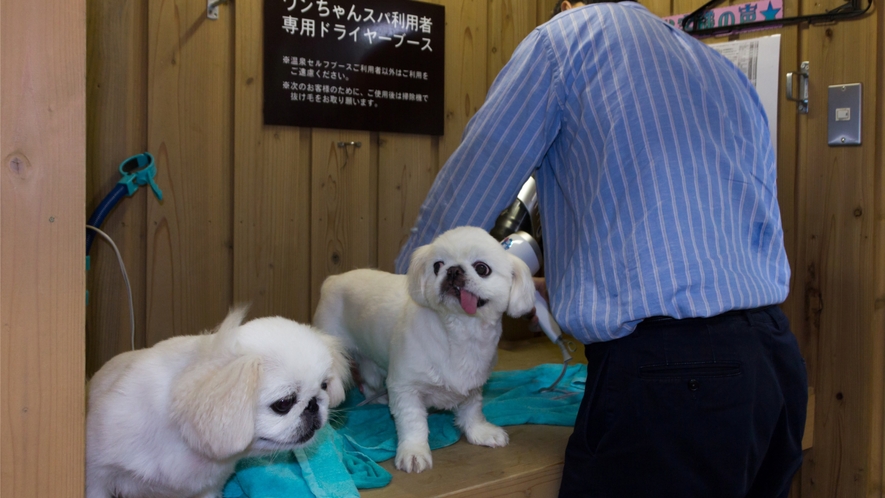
(344, 457)
(514, 397)
(267, 477)
(324, 470)
(370, 429)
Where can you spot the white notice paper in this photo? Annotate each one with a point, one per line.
(759, 59)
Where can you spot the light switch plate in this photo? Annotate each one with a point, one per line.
(844, 116)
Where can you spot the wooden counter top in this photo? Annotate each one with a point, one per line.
(531, 465)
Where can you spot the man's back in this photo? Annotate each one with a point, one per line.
(663, 174)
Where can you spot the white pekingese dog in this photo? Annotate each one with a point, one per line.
(431, 334)
(172, 420)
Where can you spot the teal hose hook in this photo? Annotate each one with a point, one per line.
(137, 170)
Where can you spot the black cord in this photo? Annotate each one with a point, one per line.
(843, 12)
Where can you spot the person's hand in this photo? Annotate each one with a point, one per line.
(540, 286)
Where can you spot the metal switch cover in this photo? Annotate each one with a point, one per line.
(844, 116)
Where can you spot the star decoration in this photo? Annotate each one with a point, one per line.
(770, 13)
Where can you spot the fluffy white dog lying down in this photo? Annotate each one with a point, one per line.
(172, 420)
(432, 334)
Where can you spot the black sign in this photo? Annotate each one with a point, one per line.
(373, 65)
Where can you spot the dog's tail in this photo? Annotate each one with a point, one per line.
(234, 318)
(330, 311)
(225, 332)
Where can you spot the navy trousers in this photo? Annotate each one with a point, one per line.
(700, 407)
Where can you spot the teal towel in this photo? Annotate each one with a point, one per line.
(514, 397)
(346, 451)
(268, 477)
(321, 470)
(370, 429)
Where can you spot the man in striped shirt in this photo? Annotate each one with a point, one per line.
(663, 247)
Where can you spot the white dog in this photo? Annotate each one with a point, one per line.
(172, 420)
(432, 334)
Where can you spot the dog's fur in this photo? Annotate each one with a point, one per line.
(172, 420)
(431, 334)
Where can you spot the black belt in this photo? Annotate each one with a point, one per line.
(721, 315)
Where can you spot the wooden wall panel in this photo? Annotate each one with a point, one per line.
(116, 100)
(876, 487)
(407, 165)
(344, 205)
(543, 10)
(271, 190)
(509, 22)
(42, 192)
(190, 132)
(466, 60)
(837, 236)
(664, 8)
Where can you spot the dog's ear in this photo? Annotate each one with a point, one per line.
(522, 289)
(418, 274)
(340, 379)
(213, 404)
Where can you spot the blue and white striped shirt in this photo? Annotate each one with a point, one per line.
(655, 170)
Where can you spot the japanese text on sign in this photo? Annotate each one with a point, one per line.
(379, 58)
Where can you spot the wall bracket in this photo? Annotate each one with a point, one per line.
(802, 99)
(212, 8)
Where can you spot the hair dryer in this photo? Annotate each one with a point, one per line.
(512, 229)
(518, 215)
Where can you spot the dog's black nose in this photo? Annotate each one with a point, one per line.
(454, 273)
(312, 407)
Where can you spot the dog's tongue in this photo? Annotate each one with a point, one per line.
(468, 302)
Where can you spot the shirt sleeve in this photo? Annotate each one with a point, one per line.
(501, 147)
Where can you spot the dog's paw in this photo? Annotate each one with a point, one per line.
(486, 434)
(413, 457)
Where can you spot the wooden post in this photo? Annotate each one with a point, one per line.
(42, 249)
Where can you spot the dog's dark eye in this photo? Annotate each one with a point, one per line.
(283, 406)
(436, 267)
(324, 385)
(482, 269)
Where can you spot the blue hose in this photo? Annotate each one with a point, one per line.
(101, 212)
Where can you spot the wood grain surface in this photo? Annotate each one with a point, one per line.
(42, 248)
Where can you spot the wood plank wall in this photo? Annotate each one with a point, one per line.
(835, 265)
(190, 132)
(262, 214)
(876, 482)
(288, 202)
(116, 128)
(42, 189)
